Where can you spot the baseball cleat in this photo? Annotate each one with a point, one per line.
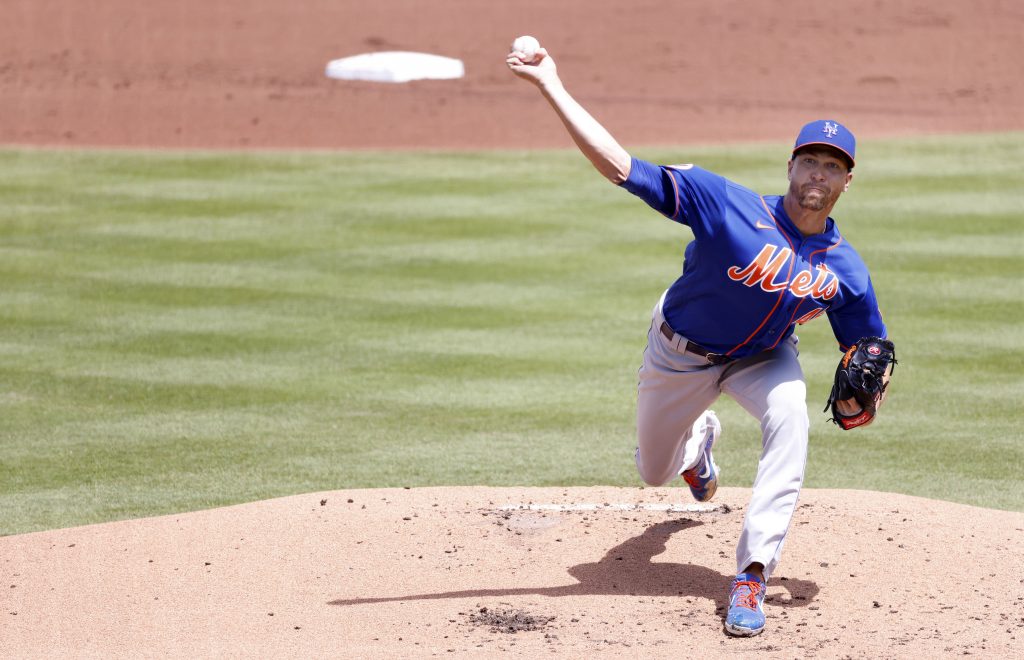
(702, 478)
(746, 615)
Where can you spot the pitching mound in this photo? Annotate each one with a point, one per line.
(552, 571)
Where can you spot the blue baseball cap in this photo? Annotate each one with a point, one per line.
(830, 133)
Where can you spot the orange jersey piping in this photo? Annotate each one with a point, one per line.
(782, 293)
(810, 263)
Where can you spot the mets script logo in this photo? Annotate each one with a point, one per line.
(764, 271)
(831, 128)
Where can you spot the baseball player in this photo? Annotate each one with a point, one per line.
(758, 266)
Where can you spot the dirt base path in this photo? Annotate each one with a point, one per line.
(250, 73)
(433, 571)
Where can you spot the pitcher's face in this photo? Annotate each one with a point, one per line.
(817, 177)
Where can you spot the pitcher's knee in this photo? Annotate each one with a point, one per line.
(657, 479)
(653, 475)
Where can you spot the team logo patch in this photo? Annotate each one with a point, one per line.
(874, 350)
(831, 129)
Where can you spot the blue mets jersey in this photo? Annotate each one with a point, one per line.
(750, 276)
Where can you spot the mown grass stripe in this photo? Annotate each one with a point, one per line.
(184, 330)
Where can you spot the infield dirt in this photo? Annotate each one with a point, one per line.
(250, 73)
(437, 571)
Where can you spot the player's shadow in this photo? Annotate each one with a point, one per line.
(627, 569)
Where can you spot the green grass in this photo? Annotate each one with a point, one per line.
(180, 331)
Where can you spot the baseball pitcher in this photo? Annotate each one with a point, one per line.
(758, 266)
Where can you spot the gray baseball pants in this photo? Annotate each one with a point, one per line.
(675, 390)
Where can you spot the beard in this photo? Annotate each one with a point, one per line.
(815, 198)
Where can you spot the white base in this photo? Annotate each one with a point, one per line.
(395, 67)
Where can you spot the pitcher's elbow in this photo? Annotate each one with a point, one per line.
(618, 170)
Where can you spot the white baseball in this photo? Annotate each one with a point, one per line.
(526, 47)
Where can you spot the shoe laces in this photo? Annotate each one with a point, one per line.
(747, 598)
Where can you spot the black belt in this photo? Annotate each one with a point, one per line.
(696, 349)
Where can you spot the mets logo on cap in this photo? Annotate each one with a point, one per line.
(828, 132)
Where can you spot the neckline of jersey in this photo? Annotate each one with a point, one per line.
(830, 235)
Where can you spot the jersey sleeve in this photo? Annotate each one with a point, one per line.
(858, 319)
(687, 194)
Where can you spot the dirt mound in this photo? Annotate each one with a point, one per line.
(250, 73)
(475, 571)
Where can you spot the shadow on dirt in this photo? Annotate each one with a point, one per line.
(627, 569)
